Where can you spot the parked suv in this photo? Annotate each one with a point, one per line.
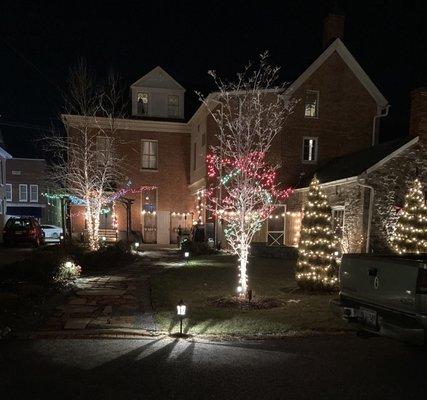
(23, 230)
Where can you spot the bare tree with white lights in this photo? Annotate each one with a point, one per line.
(249, 112)
(87, 162)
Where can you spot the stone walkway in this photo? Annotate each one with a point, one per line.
(120, 300)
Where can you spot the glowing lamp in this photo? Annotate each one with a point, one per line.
(104, 238)
(181, 310)
(187, 254)
(136, 244)
(68, 264)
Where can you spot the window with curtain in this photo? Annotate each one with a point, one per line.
(149, 154)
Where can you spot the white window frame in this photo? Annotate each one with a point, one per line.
(149, 155)
(316, 149)
(21, 199)
(9, 186)
(317, 104)
(174, 107)
(37, 194)
(333, 210)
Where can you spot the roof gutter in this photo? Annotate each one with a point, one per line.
(370, 210)
(375, 129)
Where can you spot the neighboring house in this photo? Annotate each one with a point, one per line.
(336, 120)
(26, 182)
(155, 146)
(337, 113)
(4, 155)
(366, 189)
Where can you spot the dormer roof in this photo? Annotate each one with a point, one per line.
(158, 78)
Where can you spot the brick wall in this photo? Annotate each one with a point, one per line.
(344, 125)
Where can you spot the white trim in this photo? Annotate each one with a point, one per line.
(338, 46)
(21, 200)
(11, 192)
(128, 124)
(37, 197)
(391, 155)
(28, 159)
(38, 205)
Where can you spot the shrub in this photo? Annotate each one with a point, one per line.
(67, 271)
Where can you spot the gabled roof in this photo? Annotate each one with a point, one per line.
(355, 164)
(338, 46)
(158, 78)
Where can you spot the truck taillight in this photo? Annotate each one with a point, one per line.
(422, 281)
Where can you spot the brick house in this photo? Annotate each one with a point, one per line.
(25, 185)
(366, 189)
(336, 120)
(155, 142)
(337, 113)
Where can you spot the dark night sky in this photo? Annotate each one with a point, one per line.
(388, 38)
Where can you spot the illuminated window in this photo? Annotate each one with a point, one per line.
(149, 154)
(173, 106)
(338, 220)
(149, 201)
(142, 103)
(311, 109)
(309, 149)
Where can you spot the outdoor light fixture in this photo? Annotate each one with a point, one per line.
(136, 244)
(104, 238)
(68, 264)
(181, 310)
(186, 255)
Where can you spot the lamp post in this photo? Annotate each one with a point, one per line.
(181, 310)
(186, 255)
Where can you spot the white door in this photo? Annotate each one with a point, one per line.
(163, 227)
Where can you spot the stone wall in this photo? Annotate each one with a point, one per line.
(355, 199)
(390, 182)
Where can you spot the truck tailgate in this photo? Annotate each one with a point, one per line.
(381, 280)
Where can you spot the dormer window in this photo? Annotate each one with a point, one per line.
(142, 103)
(173, 106)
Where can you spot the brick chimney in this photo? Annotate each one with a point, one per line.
(333, 27)
(418, 119)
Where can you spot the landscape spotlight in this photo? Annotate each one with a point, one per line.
(136, 244)
(181, 310)
(186, 255)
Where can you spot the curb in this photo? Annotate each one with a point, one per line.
(94, 334)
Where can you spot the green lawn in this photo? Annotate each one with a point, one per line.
(216, 276)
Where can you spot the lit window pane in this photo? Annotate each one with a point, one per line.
(311, 103)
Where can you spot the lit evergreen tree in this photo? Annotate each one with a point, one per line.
(316, 268)
(410, 235)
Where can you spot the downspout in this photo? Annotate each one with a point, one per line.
(374, 123)
(371, 206)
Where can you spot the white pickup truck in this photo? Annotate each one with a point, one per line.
(386, 295)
